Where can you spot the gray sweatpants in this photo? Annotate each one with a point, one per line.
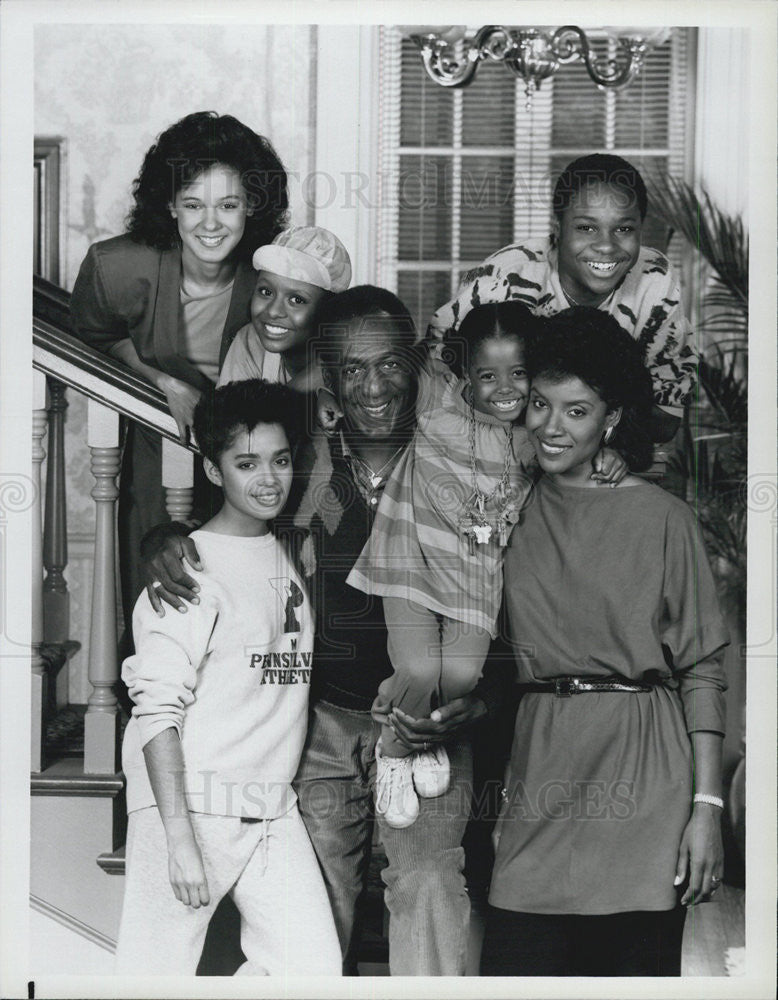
(270, 870)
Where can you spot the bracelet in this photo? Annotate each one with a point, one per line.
(712, 800)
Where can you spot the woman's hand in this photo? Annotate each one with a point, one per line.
(186, 870)
(609, 467)
(163, 552)
(182, 399)
(328, 413)
(701, 855)
(442, 725)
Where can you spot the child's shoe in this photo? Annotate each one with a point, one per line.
(395, 798)
(431, 772)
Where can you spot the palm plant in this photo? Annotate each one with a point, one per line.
(711, 461)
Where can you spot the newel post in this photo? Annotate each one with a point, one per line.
(101, 732)
(177, 480)
(37, 663)
(56, 599)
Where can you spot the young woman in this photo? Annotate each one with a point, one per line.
(611, 819)
(168, 296)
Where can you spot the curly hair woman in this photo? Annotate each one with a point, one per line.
(168, 296)
(610, 826)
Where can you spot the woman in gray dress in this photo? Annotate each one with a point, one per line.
(611, 821)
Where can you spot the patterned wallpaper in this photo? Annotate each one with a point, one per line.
(108, 91)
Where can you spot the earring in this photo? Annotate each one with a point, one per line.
(608, 434)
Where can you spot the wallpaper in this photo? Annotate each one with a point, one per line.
(108, 91)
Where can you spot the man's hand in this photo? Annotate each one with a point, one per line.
(442, 725)
(163, 552)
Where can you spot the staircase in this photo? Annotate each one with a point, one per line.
(78, 811)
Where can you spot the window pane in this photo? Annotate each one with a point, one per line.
(578, 120)
(486, 205)
(643, 109)
(425, 107)
(425, 200)
(488, 107)
(422, 292)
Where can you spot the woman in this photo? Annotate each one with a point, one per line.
(611, 818)
(168, 296)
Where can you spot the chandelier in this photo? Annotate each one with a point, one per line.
(451, 59)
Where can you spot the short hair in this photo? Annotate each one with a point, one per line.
(183, 152)
(337, 312)
(587, 343)
(223, 413)
(604, 168)
(500, 320)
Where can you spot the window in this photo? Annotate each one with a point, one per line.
(465, 172)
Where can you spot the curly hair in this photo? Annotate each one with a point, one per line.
(588, 344)
(182, 152)
(603, 168)
(221, 414)
(489, 320)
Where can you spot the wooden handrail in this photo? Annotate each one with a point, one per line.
(57, 353)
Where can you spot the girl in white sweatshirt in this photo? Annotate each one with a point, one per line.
(221, 697)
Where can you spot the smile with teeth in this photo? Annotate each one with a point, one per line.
(505, 404)
(267, 499)
(211, 241)
(375, 411)
(602, 266)
(553, 449)
(275, 331)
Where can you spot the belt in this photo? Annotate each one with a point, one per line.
(566, 687)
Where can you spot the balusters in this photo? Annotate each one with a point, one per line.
(56, 599)
(101, 730)
(178, 480)
(37, 664)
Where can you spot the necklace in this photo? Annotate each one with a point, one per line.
(365, 474)
(575, 302)
(473, 522)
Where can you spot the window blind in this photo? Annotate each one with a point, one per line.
(465, 172)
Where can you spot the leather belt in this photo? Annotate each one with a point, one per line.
(566, 687)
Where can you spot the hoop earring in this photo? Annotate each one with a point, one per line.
(608, 434)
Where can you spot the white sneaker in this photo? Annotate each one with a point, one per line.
(431, 772)
(395, 798)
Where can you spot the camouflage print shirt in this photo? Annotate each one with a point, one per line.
(647, 304)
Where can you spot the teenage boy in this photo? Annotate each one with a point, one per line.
(221, 700)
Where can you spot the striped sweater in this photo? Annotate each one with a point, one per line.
(416, 549)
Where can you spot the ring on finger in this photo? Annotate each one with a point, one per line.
(716, 879)
(156, 585)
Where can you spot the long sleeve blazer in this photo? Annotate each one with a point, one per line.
(127, 289)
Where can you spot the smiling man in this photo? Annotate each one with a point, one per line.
(366, 345)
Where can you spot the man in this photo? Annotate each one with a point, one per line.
(366, 339)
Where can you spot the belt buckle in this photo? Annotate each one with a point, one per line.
(565, 687)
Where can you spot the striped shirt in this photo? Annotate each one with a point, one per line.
(417, 549)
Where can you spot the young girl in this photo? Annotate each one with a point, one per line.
(435, 552)
(594, 257)
(297, 271)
